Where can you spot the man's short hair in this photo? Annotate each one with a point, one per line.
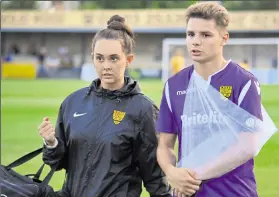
(208, 11)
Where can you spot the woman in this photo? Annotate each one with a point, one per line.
(105, 135)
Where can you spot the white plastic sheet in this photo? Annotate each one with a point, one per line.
(218, 135)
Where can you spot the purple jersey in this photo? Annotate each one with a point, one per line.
(242, 88)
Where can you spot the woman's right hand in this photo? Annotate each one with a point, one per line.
(183, 181)
(47, 131)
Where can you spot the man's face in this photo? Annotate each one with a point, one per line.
(204, 40)
(110, 61)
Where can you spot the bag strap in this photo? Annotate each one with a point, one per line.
(47, 178)
(49, 175)
(38, 173)
(24, 158)
(30, 156)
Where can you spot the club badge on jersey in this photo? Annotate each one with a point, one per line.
(226, 91)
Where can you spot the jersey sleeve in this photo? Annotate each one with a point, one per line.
(165, 122)
(250, 98)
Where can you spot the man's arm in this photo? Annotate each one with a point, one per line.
(168, 132)
(247, 145)
(165, 151)
(182, 180)
(233, 157)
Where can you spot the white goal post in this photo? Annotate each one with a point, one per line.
(254, 45)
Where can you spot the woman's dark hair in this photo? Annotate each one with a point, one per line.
(117, 30)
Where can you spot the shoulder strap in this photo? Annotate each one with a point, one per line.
(30, 156)
(50, 174)
(24, 159)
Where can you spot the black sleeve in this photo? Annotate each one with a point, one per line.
(57, 155)
(145, 154)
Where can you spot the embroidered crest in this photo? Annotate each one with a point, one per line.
(118, 116)
(226, 91)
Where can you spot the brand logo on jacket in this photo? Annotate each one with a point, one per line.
(118, 116)
(78, 115)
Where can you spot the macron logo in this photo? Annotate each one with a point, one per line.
(187, 91)
(77, 115)
(180, 92)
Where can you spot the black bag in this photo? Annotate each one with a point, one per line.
(14, 184)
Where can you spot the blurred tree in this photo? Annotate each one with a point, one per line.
(269, 5)
(109, 4)
(175, 4)
(19, 5)
(124, 4)
(170, 4)
(251, 5)
(158, 4)
(89, 5)
(145, 3)
(180, 4)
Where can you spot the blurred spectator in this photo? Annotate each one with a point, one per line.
(42, 55)
(58, 5)
(158, 53)
(66, 62)
(63, 50)
(32, 49)
(245, 64)
(177, 60)
(65, 58)
(52, 62)
(9, 57)
(14, 49)
(274, 63)
(42, 71)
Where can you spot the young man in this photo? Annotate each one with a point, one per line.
(207, 34)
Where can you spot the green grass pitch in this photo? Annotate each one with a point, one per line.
(25, 103)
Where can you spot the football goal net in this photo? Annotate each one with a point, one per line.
(261, 55)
